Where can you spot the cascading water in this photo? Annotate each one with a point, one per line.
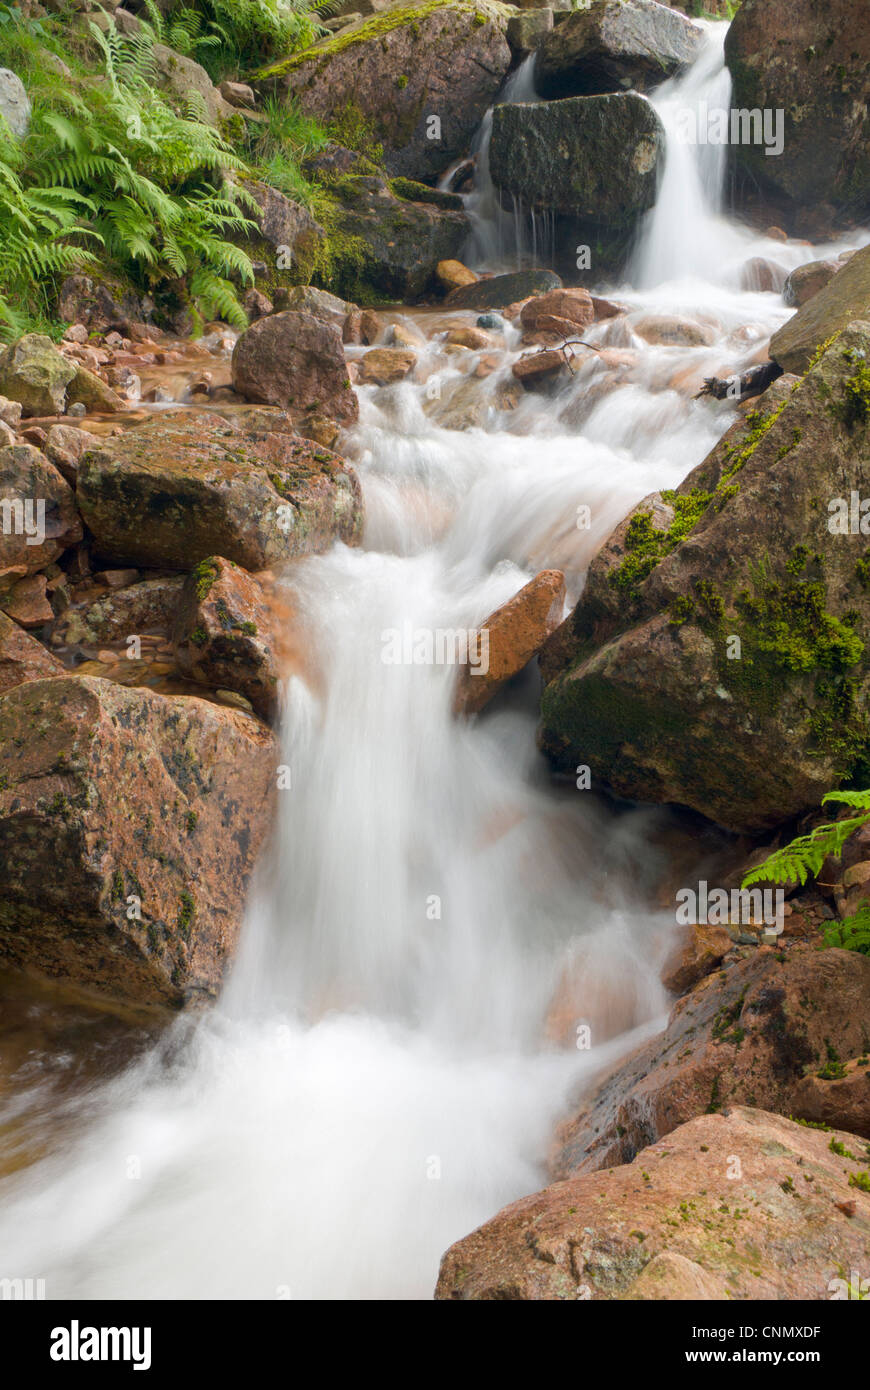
(396, 1040)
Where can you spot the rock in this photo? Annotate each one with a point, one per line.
(594, 160)
(452, 275)
(700, 951)
(541, 371)
(515, 634)
(761, 274)
(101, 304)
(14, 103)
(26, 602)
(612, 44)
(362, 326)
(841, 1101)
(182, 487)
(148, 606)
(295, 361)
(806, 280)
(35, 374)
(116, 801)
(526, 32)
(605, 308)
(813, 63)
(256, 304)
(750, 1033)
(500, 290)
(38, 518)
(327, 308)
(10, 413)
(672, 331)
(87, 389)
(22, 658)
(472, 338)
(491, 323)
(387, 247)
(683, 1221)
(288, 239)
(381, 366)
(844, 298)
(575, 306)
(681, 645)
(237, 94)
(223, 634)
(184, 80)
(394, 71)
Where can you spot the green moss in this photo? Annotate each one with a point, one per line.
(205, 574)
(681, 610)
(186, 910)
(376, 27)
(248, 628)
(199, 637)
(647, 546)
(190, 821)
(117, 891)
(855, 408)
(860, 1180)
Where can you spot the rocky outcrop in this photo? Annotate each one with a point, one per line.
(745, 1206)
(608, 45)
(129, 826)
(748, 1035)
(811, 62)
(182, 487)
(418, 78)
(514, 634)
(38, 517)
(732, 614)
(845, 297)
(294, 361)
(22, 658)
(223, 634)
(593, 160)
(386, 246)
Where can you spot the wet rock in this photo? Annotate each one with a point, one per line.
(22, 658)
(699, 951)
(573, 306)
(681, 645)
(35, 374)
(813, 63)
(382, 366)
(759, 273)
(87, 389)
(844, 298)
(256, 304)
(148, 606)
(515, 634)
(501, 290)
(526, 32)
(223, 634)
(541, 371)
(187, 485)
(472, 338)
(14, 103)
(806, 280)
(594, 160)
(612, 44)
(683, 1221)
(670, 330)
(452, 275)
(129, 826)
(37, 511)
(26, 601)
(399, 68)
(750, 1033)
(295, 361)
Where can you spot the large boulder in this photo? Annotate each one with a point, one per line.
(187, 485)
(718, 656)
(812, 62)
(22, 658)
(38, 517)
(417, 78)
(386, 246)
(14, 103)
(498, 291)
(295, 361)
(129, 826)
(185, 81)
(845, 297)
(101, 304)
(593, 160)
(33, 372)
(223, 634)
(741, 1206)
(748, 1035)
(612, 44)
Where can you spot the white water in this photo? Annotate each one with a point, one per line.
(376, 1080)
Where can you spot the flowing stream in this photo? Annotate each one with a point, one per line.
(397, 1039)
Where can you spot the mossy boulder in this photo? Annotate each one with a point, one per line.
(610, 44)
(186, 485)
(33, 372)
(130, 823)
(593, 161)
(719, 655)
(414, 80)
(811, 61)
(223, 633)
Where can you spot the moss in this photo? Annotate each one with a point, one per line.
(190, 821)
(401, 81)
(248, 628)
(117, 891)
(376, 27)
(860, 1180)
(681, 610)
(186, 910)
(855, 407)
(205, 574)
(862, 570)
(199, 637)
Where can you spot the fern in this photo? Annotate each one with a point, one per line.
(853, 933)
(804, 856)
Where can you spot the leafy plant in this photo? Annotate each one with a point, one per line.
(804, 856)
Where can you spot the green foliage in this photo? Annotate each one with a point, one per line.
(804, 856)
(228, 37)
(279, 143)
(110, 170)
(852, 934)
